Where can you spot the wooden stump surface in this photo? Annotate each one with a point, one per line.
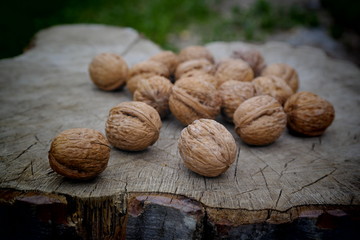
(47, 90)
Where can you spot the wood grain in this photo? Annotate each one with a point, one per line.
(47, 90)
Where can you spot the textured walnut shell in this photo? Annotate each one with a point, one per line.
(133, 126)
(308, 114)
(253, 57)
(233, 69)
(207, 147)
(145, 70)
(155, 91)
(195, 52)
(108, 71)
(79, 153)
(168, 58)
(133, 82)
(233, 93)
(202, 76)
(273, 86)
(283, 71)
(260, 120)
(192, 99)
(202, 65)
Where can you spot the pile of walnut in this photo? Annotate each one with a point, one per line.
(259, 99)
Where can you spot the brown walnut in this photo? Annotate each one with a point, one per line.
(133, 126)
(193, 98)
(168, 58)
(308, 114)
(195, 52)
(253, 57)
(196, 65)
(283, 71)
(233, 69)
(79, 153)
(207, 147)
(145, 70)
(155, 91)
(273, 86)
(260, 120)
(108, 71)
(233, 93)
(202, 76)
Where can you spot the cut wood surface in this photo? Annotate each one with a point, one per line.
(47, 90)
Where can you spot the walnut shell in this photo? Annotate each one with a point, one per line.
(202, 76)
(195, 52)
(202, 65)
(145, 70)
(260, 120)
(168, 58)
(273, 86)
(207, 147)
(308, 114)
(233, 69)
(253, 57)
(108, 71)
(285, 72)
(155, 91)
(79, 153)
(233, 93)
(192, 99)
(133, 126)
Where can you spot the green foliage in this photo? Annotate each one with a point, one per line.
(156, 19)
(258, 21)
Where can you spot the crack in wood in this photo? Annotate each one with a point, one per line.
(236, 163)
(285, 167)
(248, 191)
(352, 199)
(266, 183)
(313, 146)
(286, 164)
(314, 182)
(262, 160)
(277, 201)
(32, 168)
(260, 169)
(94, 188)
(131, 45)
(24, 151)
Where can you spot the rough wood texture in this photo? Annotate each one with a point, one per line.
(48, 89)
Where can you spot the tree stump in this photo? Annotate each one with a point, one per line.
(296, 188)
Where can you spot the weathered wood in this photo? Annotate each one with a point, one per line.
(47, 90)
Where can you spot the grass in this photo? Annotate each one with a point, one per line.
(156, 19)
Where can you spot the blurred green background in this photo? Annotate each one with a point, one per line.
(164, 21)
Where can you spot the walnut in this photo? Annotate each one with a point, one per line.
(79, 153)
(108, 71)
(133, 126)
(202, 76)
(308, 114)
(195, 52)
(168, 58)
(202, 65)
(155, 91)
(207, 147)
(285, 72)
(253, 57)
(260, 120)
(233, 93)
(273, 86)
(145, 70)
(233, 69)
(192, 99)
